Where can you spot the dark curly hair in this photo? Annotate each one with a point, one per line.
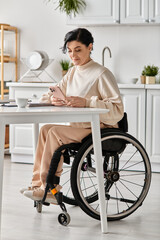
(80, 34)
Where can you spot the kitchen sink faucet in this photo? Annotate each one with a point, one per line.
(104, 49)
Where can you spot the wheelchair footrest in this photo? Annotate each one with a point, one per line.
(46, 203)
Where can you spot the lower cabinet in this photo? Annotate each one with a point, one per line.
(134, 106)
(153, 125)
(143, 109)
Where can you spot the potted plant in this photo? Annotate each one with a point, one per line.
(70, 6)
(65, 64)
(148, 74)
(143, 77)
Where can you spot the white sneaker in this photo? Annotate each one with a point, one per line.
(30, 188)
(37, 195)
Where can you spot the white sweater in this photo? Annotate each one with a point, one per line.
(98, 85)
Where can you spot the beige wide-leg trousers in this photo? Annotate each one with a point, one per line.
(52, 137)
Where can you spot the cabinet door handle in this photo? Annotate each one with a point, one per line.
(34, 95)
(145, 20)
(116, 21)
(151, 20)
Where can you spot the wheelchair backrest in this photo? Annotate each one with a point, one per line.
(123, 123)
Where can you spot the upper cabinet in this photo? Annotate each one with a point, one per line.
(154, 11)
(139, 11)
(105, 12)
(97, 13)
(134, 11)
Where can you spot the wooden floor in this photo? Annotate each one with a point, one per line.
(20, 221)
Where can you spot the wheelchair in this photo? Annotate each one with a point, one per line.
(126, 168)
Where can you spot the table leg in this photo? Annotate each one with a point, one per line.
(35, 137)
(99, 171)
(2, 139)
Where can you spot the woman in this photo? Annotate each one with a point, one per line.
(87, 84)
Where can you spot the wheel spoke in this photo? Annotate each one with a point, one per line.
(69, 189)
(140, 185)
(91, 180)
(65, 182)
(130, 166)
(133, 174)
(66, 172)
(84, 186)
(122, 168)
(89, 187)
(128, 189)
(118, 190)
(116, 197)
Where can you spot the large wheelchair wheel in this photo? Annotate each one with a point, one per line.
(127, 176)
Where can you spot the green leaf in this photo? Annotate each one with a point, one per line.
(150, 70)
(70, 6)
(65, 64)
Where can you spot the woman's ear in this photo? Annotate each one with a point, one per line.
(90, 46)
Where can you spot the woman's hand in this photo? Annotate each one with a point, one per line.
(57, 101)
(75, 102)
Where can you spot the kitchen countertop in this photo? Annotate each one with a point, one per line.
(130, 85)
(120, 85)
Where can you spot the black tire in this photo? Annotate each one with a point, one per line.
(64, 218)
(127, 176)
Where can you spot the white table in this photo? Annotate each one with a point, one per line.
(14, 115)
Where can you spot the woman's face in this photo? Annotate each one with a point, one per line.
(78, 52)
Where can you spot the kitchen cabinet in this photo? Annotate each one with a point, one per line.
(140, 11)
(142, 104)
(134, 105)
(134, 11)
(97, 13)
(114, 12)
(153, 124)
(154, 11)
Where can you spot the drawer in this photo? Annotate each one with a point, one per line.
(31, 93)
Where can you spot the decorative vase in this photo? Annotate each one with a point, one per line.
(143, 79)
(150, 80)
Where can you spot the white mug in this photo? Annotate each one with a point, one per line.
(21, 102)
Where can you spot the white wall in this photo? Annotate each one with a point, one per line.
(43, 28)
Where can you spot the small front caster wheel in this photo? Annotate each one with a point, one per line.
(39, 206)
(64, 218)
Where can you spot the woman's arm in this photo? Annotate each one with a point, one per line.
(110, 99)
